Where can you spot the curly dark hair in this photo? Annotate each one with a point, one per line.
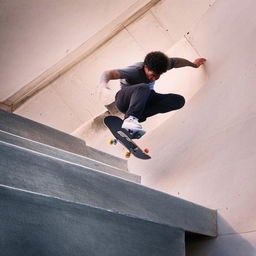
(157, 62)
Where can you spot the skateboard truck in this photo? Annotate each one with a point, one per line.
(112, 141)
(131, 150)
(123, 136)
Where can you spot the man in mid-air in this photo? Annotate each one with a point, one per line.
(137, 98)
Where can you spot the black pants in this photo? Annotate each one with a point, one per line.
(141, 102)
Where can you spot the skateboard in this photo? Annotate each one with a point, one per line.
(114, 124)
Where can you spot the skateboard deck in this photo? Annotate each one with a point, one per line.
(114, 124)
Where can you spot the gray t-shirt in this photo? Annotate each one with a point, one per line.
(135, 74)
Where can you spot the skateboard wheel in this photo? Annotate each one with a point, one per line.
(112, 141)
(146, 150)
(127, 154)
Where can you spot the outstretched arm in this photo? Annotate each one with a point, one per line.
(108, 75)
(180, 62)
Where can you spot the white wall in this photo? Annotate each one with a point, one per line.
(70, 101)
(206, 152)
(35, 35)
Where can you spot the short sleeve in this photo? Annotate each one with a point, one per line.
(131, 71)
(171, 63)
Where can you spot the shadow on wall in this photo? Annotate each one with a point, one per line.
(231, 244)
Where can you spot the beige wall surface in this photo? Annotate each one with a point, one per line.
(37, 34)
(205, 153)
(71, 101)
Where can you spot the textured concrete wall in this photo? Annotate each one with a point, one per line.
(115, 167)
(33, 224)
(31, 130)
(32, 171)
(41, 133)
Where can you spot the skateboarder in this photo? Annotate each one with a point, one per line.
(137, 98)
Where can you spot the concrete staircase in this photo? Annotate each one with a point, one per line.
(55, 200)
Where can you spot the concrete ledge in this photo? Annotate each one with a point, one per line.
(32, 130)
(33, 224)
(106, 158)
(69, 157)
(25, 169)
(5, 107)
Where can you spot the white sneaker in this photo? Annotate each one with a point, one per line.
(132, 125)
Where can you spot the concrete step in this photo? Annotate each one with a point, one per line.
(25, 169)
(98, 155)
(32, 130)
(67, 156)
(33, 224)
